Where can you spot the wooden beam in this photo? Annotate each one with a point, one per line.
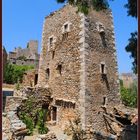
(113, 120)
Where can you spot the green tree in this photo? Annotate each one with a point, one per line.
(132, 48)
(132, 45)
(14, 73)
(132, 8)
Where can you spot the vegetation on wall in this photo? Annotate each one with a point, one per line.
(14, 73)
(84, 5)
(129, 95)
(33, 117)
(22, 58)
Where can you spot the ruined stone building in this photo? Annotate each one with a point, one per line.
(78, 63)
(128, 79)
(27, 56)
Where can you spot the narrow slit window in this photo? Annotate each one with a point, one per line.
(65, 31)
(66, 27)
(103, 68)
(51, 41)
(102, 35)
(47, 73)
(104, 101)
(53, 53)
(59, 69)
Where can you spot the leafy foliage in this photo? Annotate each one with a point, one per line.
(132, 45)
(28, 121)
(132, 8)
(41, 122)
(84, 5)
(129, 96)
(132, 48)
(14, 73)
(33, 117)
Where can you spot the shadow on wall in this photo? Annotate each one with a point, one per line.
(104, 77)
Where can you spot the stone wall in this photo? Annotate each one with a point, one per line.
(66, 53)
(30, 78)
(29, 51)
(101, 89)
(80, 55)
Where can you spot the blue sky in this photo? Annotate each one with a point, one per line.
(22, 20)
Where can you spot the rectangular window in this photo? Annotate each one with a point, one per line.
(51, 41)
(104, 101)
(65, 31)
(53, 53)
(54, 113)
(102, 35)
(47, 73)
(103, 68)
(66, 28)
(59, 69)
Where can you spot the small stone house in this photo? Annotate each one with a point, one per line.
(78, 63)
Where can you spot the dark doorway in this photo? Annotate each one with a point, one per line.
(54, 114)
(36, 78)
(47, 116)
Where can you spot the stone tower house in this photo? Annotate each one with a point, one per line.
(78, 63)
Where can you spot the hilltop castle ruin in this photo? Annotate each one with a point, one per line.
(27, 56)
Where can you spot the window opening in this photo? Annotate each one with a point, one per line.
(47, 115)
(59, 69)
(102, 35)
(47, 73)
(54, 113)
(103, 68)
(104, 101)
(36, 78)
(51, 41)
(53, 53)
(66, 27)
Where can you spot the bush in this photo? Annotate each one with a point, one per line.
(14, 73)
(29, 122)
(129, 96)
(41, 122)
(32, 116)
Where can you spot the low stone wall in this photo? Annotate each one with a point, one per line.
(12, 122)
(12, 102)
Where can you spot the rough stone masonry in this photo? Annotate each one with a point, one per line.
(78, 63)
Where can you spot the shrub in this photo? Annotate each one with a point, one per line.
(41, 122)
(14, 73)
(28, 121)
(129, 95)
(33, 116)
